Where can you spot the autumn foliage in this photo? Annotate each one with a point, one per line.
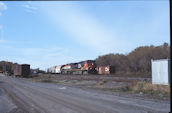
(138, 60)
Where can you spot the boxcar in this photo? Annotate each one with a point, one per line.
(106, 70)
(17, 69)
(25, 70)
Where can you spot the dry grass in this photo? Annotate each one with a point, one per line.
(151, 89)
(146, 89)
(100, 84)
(47, 81)
(133, 74)
(143, 87)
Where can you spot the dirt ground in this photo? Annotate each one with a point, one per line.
(112, 84)
(23, 95)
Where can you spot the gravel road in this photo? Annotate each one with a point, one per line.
(18, 95)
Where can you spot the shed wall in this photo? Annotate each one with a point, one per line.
(161, 71)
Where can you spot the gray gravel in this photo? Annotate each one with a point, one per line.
(18, 95)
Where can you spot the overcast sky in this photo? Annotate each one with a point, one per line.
(45, 34)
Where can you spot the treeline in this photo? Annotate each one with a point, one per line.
(137, 61)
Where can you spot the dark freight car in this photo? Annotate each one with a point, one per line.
(25, 70)
(106, 70)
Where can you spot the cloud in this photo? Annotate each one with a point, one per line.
(83, 27)
(30, 8)
(2, 7)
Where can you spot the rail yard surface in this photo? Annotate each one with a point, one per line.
(18, 95)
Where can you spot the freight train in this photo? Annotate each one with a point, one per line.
(21, 70)
(83, 67)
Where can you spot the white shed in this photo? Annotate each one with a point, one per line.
(161, 71)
